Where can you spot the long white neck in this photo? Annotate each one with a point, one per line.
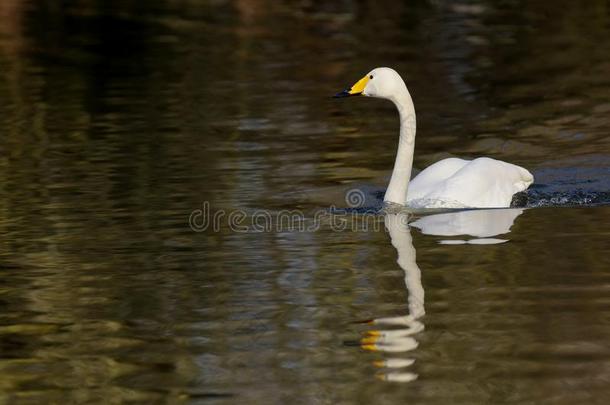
(399, 183)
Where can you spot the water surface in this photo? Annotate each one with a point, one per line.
(118, 121)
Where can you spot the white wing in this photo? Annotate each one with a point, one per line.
(457, 183)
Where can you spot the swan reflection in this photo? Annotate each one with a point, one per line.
(482, 224)
(396, 335)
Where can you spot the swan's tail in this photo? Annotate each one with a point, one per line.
(525, 179)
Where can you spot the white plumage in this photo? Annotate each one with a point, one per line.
(458, 183)
(450, 183)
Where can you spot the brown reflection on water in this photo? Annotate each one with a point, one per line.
(119, 119)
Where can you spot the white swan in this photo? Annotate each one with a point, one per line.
(450, 183)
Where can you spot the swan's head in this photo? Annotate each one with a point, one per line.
(380, 82)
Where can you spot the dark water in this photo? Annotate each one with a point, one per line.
(119, 120)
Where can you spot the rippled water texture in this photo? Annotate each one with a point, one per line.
(121, 121)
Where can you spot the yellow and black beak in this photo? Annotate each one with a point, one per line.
(355, 90)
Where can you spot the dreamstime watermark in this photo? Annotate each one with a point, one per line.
(354, 218)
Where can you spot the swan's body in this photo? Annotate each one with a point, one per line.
(456, 183)
(449, 183)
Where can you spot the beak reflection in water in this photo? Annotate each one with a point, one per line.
(395, 335)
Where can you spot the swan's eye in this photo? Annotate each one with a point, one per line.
(371, 76)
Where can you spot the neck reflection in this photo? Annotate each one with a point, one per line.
(396, 335)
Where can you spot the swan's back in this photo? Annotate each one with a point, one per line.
(482, 183)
